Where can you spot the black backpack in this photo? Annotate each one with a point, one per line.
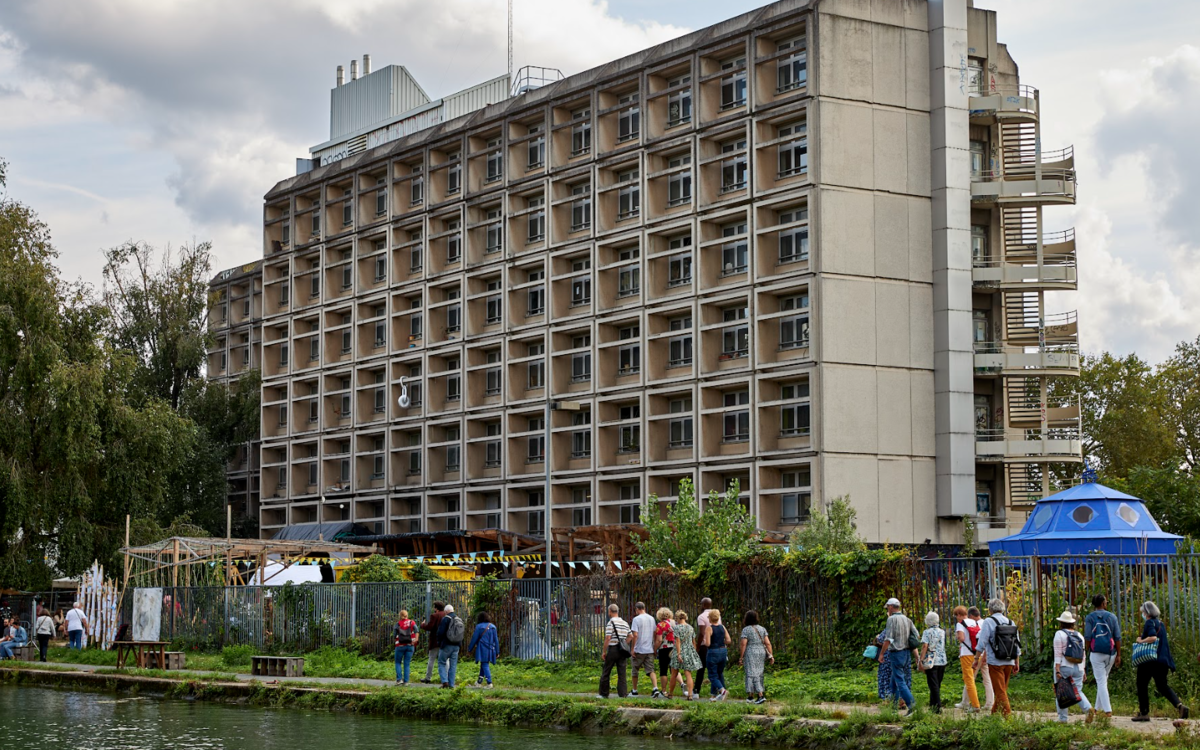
(1006, 641)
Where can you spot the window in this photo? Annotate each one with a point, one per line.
(581, 516)
(976, 81)
(796, 507)
(453, 460)
(581, 367)
(454, 318)
(537, 374)
(535, 150)
(453, 388)
(536, 453)
(381, 201)
(414, 326)
(313, 412)
(493, 310)
(794, 416)
(733, 85)
(283, 355)
(316, 225)
(979, 245)
(581, 443)
(630, 492)
(680, 428)
(314, 282)
(629, 438)
(792, 69)
(680, 347)
(347, 407)
(380, 333)
(679, 104)
(492, 382)
(281, 482)
(793, 329)
(793, 242)
(629, 281)
(283, 415)
(581, 291)
(494, 235)
(631, 514)
(495, 162)
(793, 154)
(347, 341)
(314, 349)
(581, 132)
(979, 159)
(534, 498)
(312, 475)
(736, 421)
(377, 468)
(734, 258)
(453, 245)
(629, 120)
(417, 187)
(679, 184)
(535, 297)
(629, 411)
(733, 169)
(629, 195)
(581, 207)
(347, 210)
(414, 463)
(453, 175)
(347, 276)
(536, 221)
(414, 258)
(679, 266)
(537, 523)
(735, 340)
(629, 358)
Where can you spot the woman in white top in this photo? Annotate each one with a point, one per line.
(1065, 669)
(966, 658)
(44, 629)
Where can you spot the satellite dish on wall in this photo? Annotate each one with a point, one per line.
(403, 401)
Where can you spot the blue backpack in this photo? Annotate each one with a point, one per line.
(1102, 640)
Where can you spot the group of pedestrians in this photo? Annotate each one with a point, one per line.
(446, 633)
(684, 654)
(990, 647)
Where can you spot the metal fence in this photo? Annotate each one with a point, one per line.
(563, 619)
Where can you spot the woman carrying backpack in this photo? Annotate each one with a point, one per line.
(405, 635)
(1152, 657)
(1069, 666)
(965, 633)
(1102, 632)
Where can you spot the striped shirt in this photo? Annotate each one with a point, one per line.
(617, 630)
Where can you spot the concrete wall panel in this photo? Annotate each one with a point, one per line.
(847, 237)
(895, 411)
(848, 410)
(858, 477)
(895, 500)
(891, 236)
(892, 316)
(847, 320)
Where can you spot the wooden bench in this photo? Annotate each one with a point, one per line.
(277, 666)
(141, 651)
(174, 660)
(28, 652)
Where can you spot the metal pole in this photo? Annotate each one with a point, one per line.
(546, 519)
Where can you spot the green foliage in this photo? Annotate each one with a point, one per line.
(489, 595)
(704, 542)
(835, 530)
(375, 569)
(1179, 377)
(237, 657)
(420, 571)
(969, 536)
(1172, 496)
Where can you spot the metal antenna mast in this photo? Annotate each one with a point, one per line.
(510, 63)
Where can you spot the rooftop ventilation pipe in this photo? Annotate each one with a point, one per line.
(366, 65)
(341, 75)
(354, 70)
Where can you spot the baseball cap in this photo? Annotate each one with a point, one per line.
(893, 602)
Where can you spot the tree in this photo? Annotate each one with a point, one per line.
(1171, 495)
(687, 537)
(75, 455)
(375, 569)
(1180, 380)
(835, 530)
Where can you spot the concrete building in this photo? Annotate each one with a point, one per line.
(802, 248)
(235, 323)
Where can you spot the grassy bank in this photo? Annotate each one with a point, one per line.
(728, 723)
(799, 685)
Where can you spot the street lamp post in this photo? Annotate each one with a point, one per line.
(551, 407)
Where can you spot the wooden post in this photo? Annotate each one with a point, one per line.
(125, 579)
(174, 584)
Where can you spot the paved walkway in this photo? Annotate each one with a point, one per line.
(1155, 726)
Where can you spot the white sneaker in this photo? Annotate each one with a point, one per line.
(723, 694)
(960, 706)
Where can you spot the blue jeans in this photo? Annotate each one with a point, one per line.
(901, 662)
(715, 664)
(75, 639)
(485, 671)
(1074, 674)
(448, 664)
(404, 656)
(6, 648)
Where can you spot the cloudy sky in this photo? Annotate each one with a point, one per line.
(167, 120)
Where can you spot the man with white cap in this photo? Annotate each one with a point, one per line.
(900, 644)
(1069, 663)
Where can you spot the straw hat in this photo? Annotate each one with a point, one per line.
(1067, 617)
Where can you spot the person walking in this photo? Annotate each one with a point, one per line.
(883, 673)
(984, 674)
(60, 622)
(1000, 644)
(77, 626)
(664, 643)
(685, 659)
(615, 652)
(1069, 664)
(485, 644)
(716, 643)
(754, 651)
(965, 633)
(1155, 633)
(702, 626)
(405, 635)
(15, 636)
(643, 627)
(430, 626)
(450, 633)
(900, 646)
(933, 659)
(1102, 632)
(43, 628)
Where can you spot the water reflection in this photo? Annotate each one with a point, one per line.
(45, 717)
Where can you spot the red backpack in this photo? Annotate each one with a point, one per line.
(972, 635)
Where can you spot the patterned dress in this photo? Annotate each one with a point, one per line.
(684, 658)
(754, 660)
(884, 679)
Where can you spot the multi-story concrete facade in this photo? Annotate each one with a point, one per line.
(802, 249)
(235, 325)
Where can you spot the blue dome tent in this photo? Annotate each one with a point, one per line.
(1088, 518)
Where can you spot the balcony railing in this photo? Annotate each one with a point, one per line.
(1010, 99)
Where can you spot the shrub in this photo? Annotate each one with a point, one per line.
(237, 656)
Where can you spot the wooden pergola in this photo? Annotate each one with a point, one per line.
(190, 561)
(615, 542)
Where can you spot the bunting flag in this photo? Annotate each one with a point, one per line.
(504, 563)
(554, 563)
(491, 553)
(439, 558)
(617, 563)
(473, 555)
(572, 564)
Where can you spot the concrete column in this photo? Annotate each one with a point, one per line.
(953, 374)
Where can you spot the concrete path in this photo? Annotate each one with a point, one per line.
(1155, 726)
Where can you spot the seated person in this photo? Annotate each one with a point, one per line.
(14, 636)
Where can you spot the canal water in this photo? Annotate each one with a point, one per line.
(37, 717)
